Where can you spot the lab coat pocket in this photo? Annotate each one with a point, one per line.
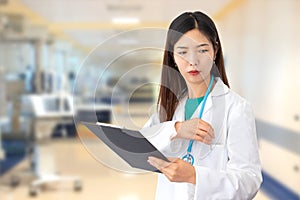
(213, 156)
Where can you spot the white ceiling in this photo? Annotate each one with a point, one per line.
(99, 14)
(105, 10)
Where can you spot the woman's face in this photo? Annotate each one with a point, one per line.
(194, 56)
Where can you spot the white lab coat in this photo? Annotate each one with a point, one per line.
(230, 167)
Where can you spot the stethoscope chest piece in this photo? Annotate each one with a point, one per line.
(189, 158)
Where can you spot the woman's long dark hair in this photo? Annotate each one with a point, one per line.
(172, 82)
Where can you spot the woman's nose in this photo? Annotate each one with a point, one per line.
(193, 60)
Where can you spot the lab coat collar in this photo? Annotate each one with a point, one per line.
(219, 90)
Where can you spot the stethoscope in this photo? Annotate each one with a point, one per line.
(188, 157)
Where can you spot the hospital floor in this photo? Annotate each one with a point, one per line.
(99, 181)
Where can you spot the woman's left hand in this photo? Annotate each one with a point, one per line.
(176, 171)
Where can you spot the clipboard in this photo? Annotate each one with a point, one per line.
(130, 145)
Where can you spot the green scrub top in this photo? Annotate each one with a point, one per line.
(191, 105)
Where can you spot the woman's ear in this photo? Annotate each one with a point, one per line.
(215, 55)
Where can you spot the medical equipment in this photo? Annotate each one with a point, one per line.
(46, 112)
(188, 157)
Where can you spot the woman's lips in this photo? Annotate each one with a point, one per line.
(194, 72)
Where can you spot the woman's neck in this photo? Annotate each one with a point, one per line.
(198, 90)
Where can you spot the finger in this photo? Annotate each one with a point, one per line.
(204, 126)
(170, 171)
(173, 160)
(158, 163)
(206, 140)
(202, 135)
(206, 131)
(211, 131)
(173, 171)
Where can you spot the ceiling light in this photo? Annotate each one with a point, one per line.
(124, 7)
(125, 20)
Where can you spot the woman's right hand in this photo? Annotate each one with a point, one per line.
(195, 129)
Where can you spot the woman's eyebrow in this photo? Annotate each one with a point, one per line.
(199, 45)
(181, 47)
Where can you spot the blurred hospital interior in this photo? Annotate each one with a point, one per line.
(63, 61)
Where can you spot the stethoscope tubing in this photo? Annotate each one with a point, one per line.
(188, 156)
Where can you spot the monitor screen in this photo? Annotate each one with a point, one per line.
(56, 104)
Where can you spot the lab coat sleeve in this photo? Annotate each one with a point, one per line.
(242, 177)
(161, 135)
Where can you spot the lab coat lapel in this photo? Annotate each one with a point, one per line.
(219, 89)
(208, 105)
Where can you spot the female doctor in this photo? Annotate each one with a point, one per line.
(205, 129)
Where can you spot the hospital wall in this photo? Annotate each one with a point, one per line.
(261, 48)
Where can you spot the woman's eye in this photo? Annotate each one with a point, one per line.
(182, 52)
(203, 50)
